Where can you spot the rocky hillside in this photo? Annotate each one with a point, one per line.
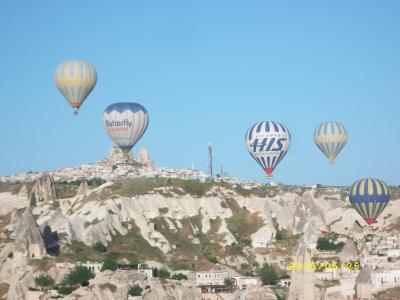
(187, 225)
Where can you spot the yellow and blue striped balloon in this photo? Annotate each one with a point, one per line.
(369, 197)
(75, 79)
(330, 138)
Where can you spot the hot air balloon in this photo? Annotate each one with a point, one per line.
(369, 197)
(75, 79)
(125, 123)
(268, 142)
(330, 138)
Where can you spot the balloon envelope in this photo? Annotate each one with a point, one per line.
(330, 138)
(268, 142)
(369, 197)
(125, 123)
(75, 79)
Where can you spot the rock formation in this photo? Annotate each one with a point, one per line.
(302, 286)
(28, 245)
(83, 189)
(43, 190)
(364, 285)
(23, 192)
(143, 156)
(349, 252)
(29, 241)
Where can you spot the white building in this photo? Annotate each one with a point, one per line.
(285, 283)
(146, 269)
(384, 278)
(95, 267)
(211, 277)
(373, 262)
(390, 252)
(327, 275)
(244, 282)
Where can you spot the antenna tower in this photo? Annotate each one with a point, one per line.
(210, 161)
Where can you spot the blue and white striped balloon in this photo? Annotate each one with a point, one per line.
(369, 197)
(330, 138)
(268, 142)
(125, 123)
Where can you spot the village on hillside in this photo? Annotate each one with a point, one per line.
(72, 233)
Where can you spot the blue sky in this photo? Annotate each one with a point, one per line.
(206, 71)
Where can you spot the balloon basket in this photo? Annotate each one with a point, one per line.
(76, 113)
(331, 162)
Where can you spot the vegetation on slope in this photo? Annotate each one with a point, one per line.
(4, 287)
(243, 223)
(393, 293)
(131, 246)
(140, 186)
(69, 189)
(13, 188)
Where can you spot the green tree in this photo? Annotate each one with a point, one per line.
(228, 281)
(136, 290)
(78, 275)
(279, 236)
(179, 276)
(44, 282)
(268, 275)
(99, 247)
(325, 243)
(109, 264)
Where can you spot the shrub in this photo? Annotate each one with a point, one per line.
(44, 281)
(66, 290)
(179, 276)
(268, 275)
(78, 275)
(109, 286)
(136, 290)
(247, 242)
(109, 264)
(99, 247)
(161, 273)
(211, 258)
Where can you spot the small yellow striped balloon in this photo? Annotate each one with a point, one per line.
(330, 138)
(75, 79)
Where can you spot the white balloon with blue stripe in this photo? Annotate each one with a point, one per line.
(125, 123)
(268, 142)
(330, 138)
